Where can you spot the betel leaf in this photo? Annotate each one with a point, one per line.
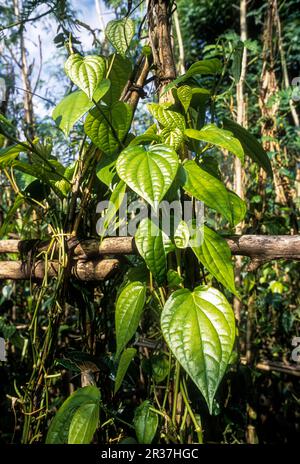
(125, 359)
(107, 127)
(86, 72)
(120, 70)
(250, 145)
(9, 154)
(70, 110)
(120, 33)
(58, 432)
(150, 172)
(74, 106)
(172, 136)
(199, 328)
(84, 424)
(129, 307)
(207, 188)
(203, 67)
(166, 117)
(150, 245)
(145, 423)
(214, 253)
(220, 137)
(185, 94)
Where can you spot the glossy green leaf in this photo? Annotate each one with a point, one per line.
(172, 136)
(70, 110)
(107, 127)
(86, 72)
(185, 94)
(166, 117)
(84, 424)
(106, 169)
(203, 67)
(150, 245)
(220, 137)
(145, 139)
(250, 145)
(58, 432)
(120, 33)
(120, 71)
(149, 173)
(159, 365)
(199, 328)
(214, 253)
(182, 235)
(208, 189)
(9, 154)
(145, 423)
(125, 359)
(129, 307)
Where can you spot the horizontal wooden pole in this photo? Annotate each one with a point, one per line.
(257, 247)
(81, 270)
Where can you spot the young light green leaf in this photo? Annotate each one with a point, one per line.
(86, 72)
(199, 328)
(120, 33)
(250, 145)
(84, 424)
(172, 136)
(107, 127)
(145, 423)
(149, 173)
(126, 358)
(220, 137)
(70, 110)
(207, 188)
(150, 245)
(58, 432)
(129, 307)
(185, 94)
(182, 235)
(167, 117)
(214, 253)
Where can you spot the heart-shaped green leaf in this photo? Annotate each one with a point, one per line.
(120, 71)
(149, 173)
(84, 424)
(58, 432)
(207, 188)
(120, 33)
(220, 137)
(214, 253)
(145, 423)
(199, 328)
(70, 110)
(150, 245)
(107, 127)
(185, 94)
(86, 72)
(166, 117)
(129, 307)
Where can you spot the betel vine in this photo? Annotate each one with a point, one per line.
(175, 296)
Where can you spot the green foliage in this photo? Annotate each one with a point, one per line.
(145, 423)
(86, 72)
(120, 33)
(77, 419)
(129, 307)
(199, 328)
